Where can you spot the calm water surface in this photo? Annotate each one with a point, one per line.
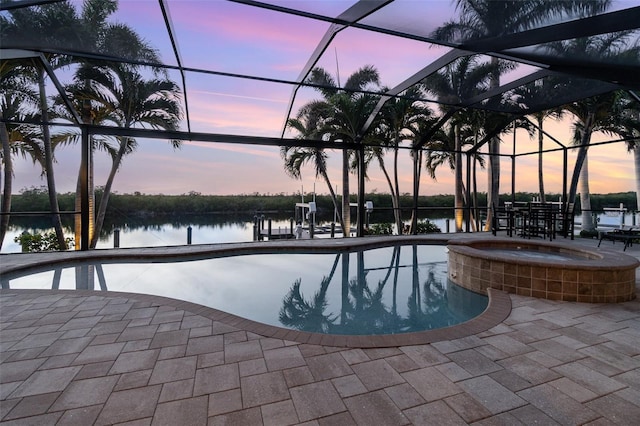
(169, 234)
(379, 291)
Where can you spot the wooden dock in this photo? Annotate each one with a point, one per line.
(268, 232)
(276, 234)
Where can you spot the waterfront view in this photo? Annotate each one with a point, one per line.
(222, 229)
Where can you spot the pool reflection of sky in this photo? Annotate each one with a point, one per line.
(256, 287)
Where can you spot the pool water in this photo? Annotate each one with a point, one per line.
(387, 290)
(536, 254)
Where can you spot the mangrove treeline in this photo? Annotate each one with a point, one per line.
(123, 206)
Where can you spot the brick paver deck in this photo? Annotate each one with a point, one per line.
(81, 357)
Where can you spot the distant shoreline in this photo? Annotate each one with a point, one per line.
(36, 200)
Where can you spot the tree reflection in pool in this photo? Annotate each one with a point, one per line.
(388, 290)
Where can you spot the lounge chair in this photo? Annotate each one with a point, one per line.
(624, 235)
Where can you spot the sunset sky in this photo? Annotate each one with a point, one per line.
(235, 38)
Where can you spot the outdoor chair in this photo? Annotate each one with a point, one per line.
(625, 236)
(564, 221)
(501, 219)
(540, 221)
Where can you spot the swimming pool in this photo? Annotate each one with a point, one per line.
(385, 290)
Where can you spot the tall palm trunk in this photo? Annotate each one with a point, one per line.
(417, 167)
(540, 168)
(458, 196)
(104, 199)
(582, 155)
(476, 210)
(493, 195)
(8, 182)
(474, 192)
(395, 191)
(585, 197)
(78, 205)
(394, 200)
(334, 197)
(419, 175)
(86, 117)
(346, 207)
(48, 157)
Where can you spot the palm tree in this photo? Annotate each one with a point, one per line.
(350, 115)
(598, 113)
(537, 92)
(20, 103)
(630, 129)
(464, 78)
(586, 113)
(112, 39)
(350, 108)
(80, 95)
(400, 117)
(15, 100)
(422, 138)
(308, 124)
(60, 24)
(8, 180)
(488, 18)
(131, 100)
(445, 148)
(48, 25)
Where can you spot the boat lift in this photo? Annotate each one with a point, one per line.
(368, 207)
(306, 212)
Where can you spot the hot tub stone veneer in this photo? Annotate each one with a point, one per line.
(593, 276)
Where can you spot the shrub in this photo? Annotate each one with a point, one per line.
(427, 227)
(381, 229)
(47, 241)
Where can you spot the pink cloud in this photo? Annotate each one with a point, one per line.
(239, 119)
(236, 22)
(267, 152)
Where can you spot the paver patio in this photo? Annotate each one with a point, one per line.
(82, 357)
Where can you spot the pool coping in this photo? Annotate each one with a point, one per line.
(497, 310)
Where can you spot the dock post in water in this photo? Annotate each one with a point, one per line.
(189, 232)
(333, 229)
(256, 233)
(269, 229)
(116, 238)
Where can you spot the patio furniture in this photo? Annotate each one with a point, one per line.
(564, 221)
(501, 219)
(521, 220)
(541, 221)
(624, 235)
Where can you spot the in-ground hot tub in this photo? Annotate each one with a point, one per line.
(543, 269)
